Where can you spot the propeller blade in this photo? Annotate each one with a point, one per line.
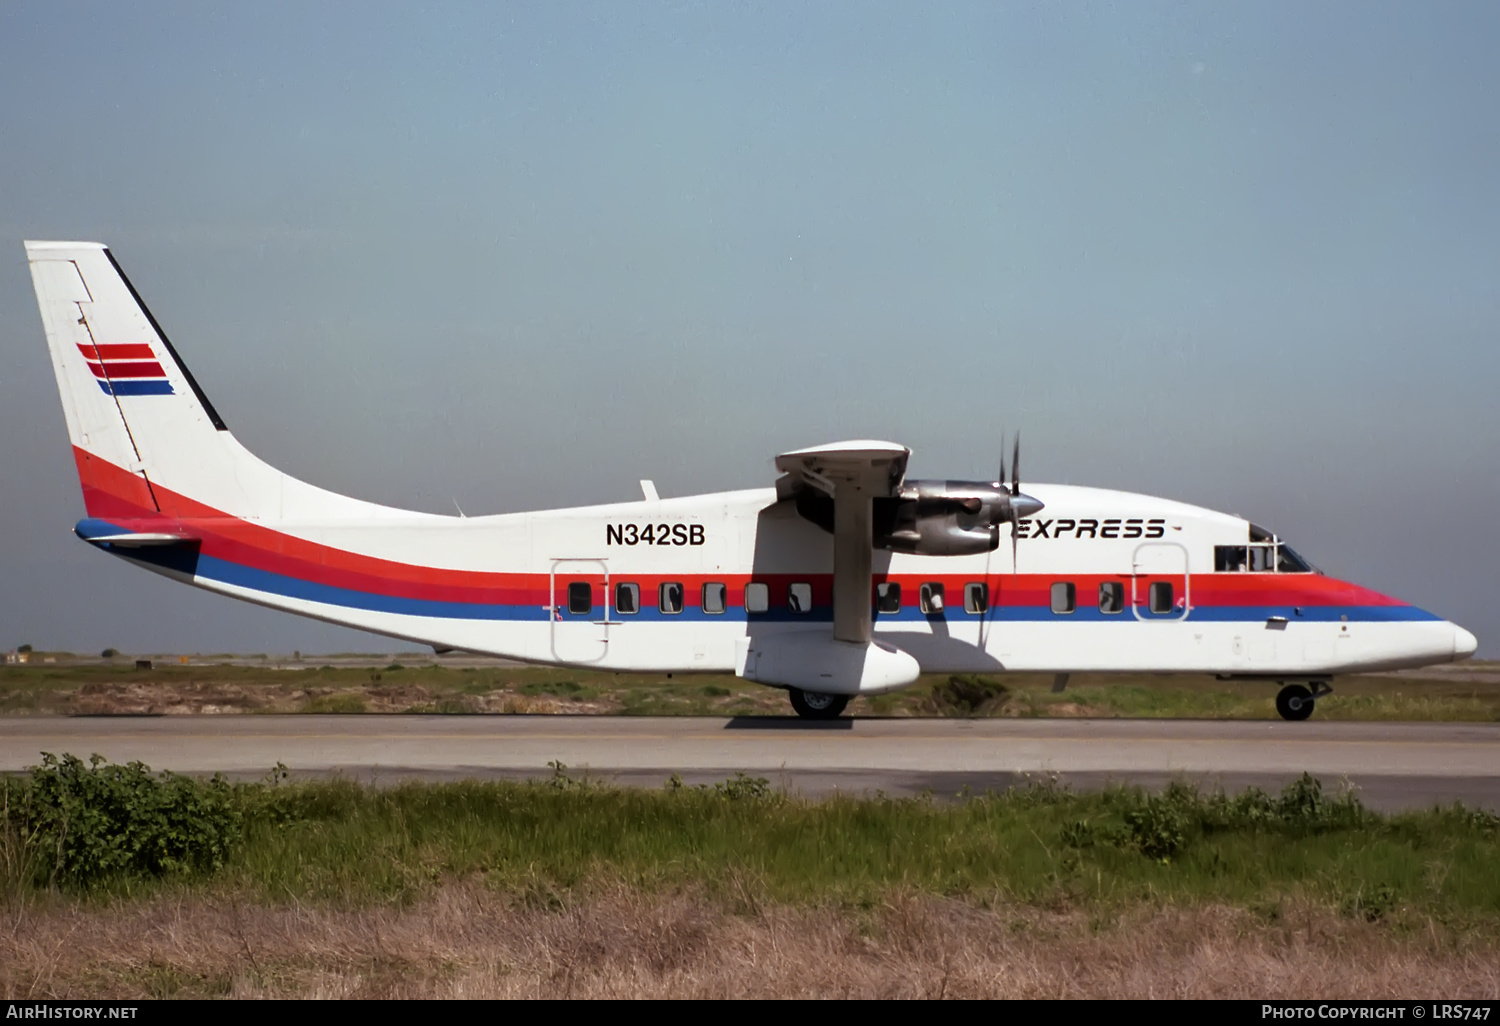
(1015, 467)
(1015, 540)
(1001, 479)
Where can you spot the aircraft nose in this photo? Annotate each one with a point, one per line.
(1464, 643)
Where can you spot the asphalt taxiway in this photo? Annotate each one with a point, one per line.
(1394, 765)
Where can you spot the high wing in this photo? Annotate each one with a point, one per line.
(853, 474)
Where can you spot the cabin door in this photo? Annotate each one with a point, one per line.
(579, 610)
(1160, 588)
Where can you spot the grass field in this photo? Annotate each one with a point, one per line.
(155, 887)
(136, 886)
(71, 685)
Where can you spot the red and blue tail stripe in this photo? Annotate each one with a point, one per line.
(126, 368)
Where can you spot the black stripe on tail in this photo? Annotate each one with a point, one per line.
(208, 407)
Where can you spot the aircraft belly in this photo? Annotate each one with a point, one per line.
(1213, 647)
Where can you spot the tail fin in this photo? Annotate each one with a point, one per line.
(146, 439)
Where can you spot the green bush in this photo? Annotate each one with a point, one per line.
(1161, 826)
(1371, 904)
(1481, 820)
(82, 824)
(745, 788)
(1301, 808)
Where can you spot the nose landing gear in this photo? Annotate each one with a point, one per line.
(1295, 702)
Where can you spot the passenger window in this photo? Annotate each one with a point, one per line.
(799, 597)
(1064, 597)
(669, 597)
(627, 598)
(1229, 559)
(715, 595)
(888, 597)
(976, 597)
(580, 597)
(930, 598)
(1161, 596)
(1111, 597)
(757, 598)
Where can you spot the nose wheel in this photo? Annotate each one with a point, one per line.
(1295, 701)
(814, 705)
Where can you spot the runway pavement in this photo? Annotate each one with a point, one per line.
(1395, 765)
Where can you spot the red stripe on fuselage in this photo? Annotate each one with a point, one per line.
(248, 544)
(112, 493)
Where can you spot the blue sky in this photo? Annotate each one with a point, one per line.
(520, 256)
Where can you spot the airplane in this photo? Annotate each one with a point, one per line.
(842, 577)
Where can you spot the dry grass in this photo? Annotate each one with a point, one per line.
(131, 698)
(468, 942)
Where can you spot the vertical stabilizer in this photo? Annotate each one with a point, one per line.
(146, 439)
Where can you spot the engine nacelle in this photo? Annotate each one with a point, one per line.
(942, 518)
(973, 497)
(942, 534)
(932, 518)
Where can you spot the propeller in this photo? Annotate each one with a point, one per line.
(1018, 505)
(1000, 481)
(1015, 490)
(993, 599)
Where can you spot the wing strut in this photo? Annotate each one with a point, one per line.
(853, 543)
(854, 474)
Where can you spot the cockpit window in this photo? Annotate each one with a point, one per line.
(1264, 555)
(1230, 559)
(1288, 562)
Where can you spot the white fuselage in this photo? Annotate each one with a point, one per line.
(1242, 622)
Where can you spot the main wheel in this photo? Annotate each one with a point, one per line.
(815, 705)
(1294, 702)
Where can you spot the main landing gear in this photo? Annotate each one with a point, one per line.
(1295, 701)
(814, 705)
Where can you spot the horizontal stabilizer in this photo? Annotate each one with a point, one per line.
(102, 531)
